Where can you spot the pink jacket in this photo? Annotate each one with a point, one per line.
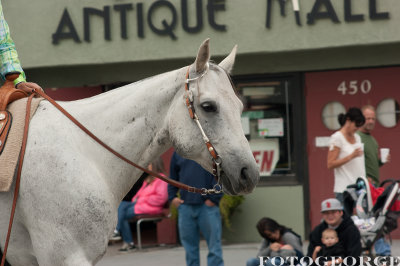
(151, 198)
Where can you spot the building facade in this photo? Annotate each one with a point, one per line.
(299, 64)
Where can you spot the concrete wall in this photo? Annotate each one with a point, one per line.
(38, 20)
(283, 47)
(283, 204)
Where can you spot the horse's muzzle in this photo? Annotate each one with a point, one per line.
(244, 184)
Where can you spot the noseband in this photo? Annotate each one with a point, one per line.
(217, 161)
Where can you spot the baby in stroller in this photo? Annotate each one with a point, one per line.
(376, 209)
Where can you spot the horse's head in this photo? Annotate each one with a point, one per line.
(218, 110)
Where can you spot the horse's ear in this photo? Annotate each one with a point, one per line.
(228, 62)
(203, 56)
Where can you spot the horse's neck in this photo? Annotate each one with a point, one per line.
(133, 121)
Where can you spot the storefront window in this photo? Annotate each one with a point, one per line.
(388, 112)
(267, 124)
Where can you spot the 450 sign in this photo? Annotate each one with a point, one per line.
(353, 87)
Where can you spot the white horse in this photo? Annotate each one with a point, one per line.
(71, 186)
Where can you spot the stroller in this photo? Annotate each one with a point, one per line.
(376, 209)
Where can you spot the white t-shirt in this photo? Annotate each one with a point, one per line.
(348, 173)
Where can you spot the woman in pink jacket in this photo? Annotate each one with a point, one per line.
(150, 199)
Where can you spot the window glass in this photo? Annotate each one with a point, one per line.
(267, 125)
(330, 114)
(388, 113)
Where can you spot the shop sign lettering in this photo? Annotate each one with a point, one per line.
(266, 154)
(169, 16)
(324, 9)
(67, 30)
(264, 159)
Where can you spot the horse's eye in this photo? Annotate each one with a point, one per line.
(209, 107)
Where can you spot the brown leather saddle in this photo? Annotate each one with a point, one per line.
(8, 94)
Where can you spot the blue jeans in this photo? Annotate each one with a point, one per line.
(125, 212)
(253, 262)
(382, 247)
(194, 219)
(256, 262)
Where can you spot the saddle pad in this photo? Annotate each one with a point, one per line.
(12, 149)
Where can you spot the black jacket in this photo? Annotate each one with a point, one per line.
(348, 234)
(326, 253)
(191, 173)
(336, 250)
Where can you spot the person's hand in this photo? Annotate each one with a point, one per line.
(275, 246)
(357, 152)
(334, 262)
(315, 252)
(28, 87)
(388, 158)
(287, 247)
(176, 202)
(209, 203)
(317, 249)
(338, 261)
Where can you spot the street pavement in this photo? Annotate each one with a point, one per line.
(234, 255)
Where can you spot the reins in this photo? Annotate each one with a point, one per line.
(203, 191)
(18, 179)
(189, 103)
(95, 138)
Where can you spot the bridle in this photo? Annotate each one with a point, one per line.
(217, 161)
(189, 103)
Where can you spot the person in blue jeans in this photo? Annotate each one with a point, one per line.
(150, 199)
(196, 213)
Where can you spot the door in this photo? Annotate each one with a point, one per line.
(331, 92)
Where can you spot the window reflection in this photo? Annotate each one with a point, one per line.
(266, 123)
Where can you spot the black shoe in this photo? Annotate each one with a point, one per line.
(116, 236)
(127, 247)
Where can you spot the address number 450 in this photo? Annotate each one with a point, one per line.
(354, 86)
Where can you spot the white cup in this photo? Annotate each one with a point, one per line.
(384, 154)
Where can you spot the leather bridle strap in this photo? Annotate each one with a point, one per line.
(17, 182)
(177, 184)
(192, 113)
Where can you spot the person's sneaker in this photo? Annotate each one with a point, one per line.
(116, 236)
(127, 247)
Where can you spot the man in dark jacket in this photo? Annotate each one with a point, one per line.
(334, 217)
(197, 213)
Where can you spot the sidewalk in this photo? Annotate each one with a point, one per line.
(234, 255)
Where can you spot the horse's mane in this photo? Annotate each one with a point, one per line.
(143, 83)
